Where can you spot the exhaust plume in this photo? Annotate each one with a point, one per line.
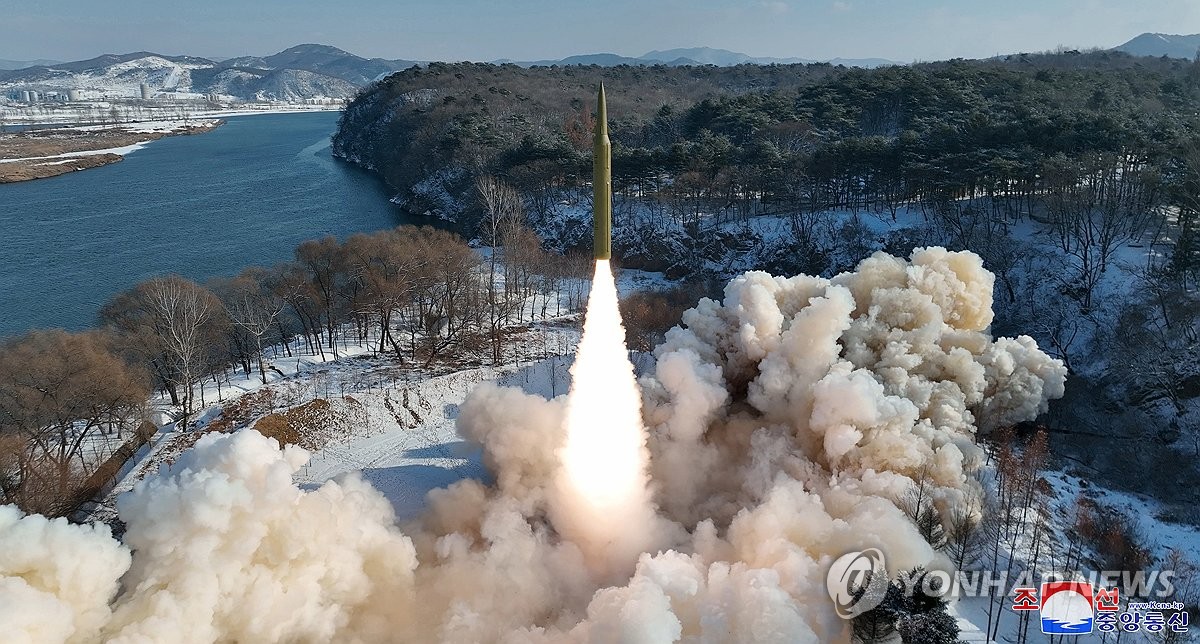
(782, 425)
(601, 501)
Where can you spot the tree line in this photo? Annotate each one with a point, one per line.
(706, 145)
(420, 295)
(1076, 176)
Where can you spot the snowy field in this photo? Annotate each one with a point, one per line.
(155, 130)
(394, 424)
(103, 114)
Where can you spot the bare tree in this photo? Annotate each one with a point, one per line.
(57, 392)
(184, 310)
(384, 264)
(448, 303)
(964, 536)
(254, 309)
(324, 261)
(503, 218)
(918, 504)
(1094, 208)
(170, 323)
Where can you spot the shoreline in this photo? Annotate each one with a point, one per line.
(72, 119)
(42, 154)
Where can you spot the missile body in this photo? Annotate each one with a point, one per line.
(602, 182)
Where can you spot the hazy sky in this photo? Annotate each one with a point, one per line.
(535, 29)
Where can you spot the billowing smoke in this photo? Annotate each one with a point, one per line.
(781, 427)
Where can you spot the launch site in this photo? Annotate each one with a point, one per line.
(477, 324)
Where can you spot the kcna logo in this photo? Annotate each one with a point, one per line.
(857, 582)
(1067, 607)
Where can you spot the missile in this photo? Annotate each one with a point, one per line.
(602, 182)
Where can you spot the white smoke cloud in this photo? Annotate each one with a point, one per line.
(56, 579)
(781, 426)
(227, 548)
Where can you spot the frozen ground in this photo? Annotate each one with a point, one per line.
(156, 129)
(102, 113)
(1154, 529)
(406, 443)
(394, 424)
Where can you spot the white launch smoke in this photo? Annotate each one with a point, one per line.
(782, 425)
(601, 501)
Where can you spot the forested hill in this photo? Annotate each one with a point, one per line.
(1075, 176)
(813, 134)
(531, 123)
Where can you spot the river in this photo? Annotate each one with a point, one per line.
(200, 206)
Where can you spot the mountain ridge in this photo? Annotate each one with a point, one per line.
(301, 72)
(304, 71)
(726, 58)
(694, 56)
(23, 64)
(1160, 44)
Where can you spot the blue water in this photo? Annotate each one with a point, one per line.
(1054, 626)
(200, 206)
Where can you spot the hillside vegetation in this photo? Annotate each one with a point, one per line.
(704, 144)
(1074, 175)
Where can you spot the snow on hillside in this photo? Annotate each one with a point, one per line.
(297, 85)
(105, 114)
(156, 129)
(370, 414)
(407, 445)
(120, 79)
(1065, 490)
(176, 78)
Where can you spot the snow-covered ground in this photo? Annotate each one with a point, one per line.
(1063, 491)
(394, 424)
(405, 442)
(155, 128)
(122, 151)
(103, 113)
(166, 125)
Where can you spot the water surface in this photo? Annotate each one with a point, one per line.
(201, 206)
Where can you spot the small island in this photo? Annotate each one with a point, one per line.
(38, 154)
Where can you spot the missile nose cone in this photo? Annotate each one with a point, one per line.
(601, 114)
(602, 182)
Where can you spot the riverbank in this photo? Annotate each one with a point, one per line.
(208, 206)
(107, 113)
(40, 154)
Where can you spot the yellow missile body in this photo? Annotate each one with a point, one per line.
(602, 182)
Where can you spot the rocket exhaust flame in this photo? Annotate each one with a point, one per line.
(601, 499)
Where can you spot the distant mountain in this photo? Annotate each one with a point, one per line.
(297, 73)
(726, 58)
(603, 60)
(22, 64)
(326, 60)
(706, 56)
(1170, 45)
(695, 56)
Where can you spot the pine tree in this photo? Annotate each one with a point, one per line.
(923, 618)
(936, 627)
(879, 623)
